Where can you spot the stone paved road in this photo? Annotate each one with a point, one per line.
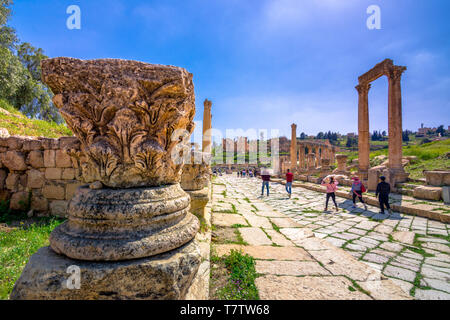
(413, 252)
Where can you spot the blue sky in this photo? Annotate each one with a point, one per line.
(267, 63)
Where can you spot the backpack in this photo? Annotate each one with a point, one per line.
(363, 189)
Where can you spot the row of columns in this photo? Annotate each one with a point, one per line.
(299, 158)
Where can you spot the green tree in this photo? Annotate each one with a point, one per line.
(20, 73)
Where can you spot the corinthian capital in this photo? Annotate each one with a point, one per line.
(363, 88)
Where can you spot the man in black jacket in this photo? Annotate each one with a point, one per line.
(383, 190)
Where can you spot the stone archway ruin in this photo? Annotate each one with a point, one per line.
(393, 73)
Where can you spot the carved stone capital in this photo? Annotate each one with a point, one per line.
(124, 114)
(395, 73)
(207, 104)
(363, 88)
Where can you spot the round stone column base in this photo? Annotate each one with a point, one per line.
(166, 276)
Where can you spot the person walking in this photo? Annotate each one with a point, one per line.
(289, 179)
(383, 190)
(265, 176)
(331, 189)
(358, 189)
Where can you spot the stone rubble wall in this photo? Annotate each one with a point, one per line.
(39, 170)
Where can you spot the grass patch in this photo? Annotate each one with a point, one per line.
(247, 199)
(241, 277)
(18, 124)
(275, 227)
(17, 246)
(240, 240)
(254, 207)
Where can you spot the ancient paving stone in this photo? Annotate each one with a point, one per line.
(285, 223)
(431, 295)
(430, 272)
(259, 222)
(346, 236)
(270, 214)
(357, 231)
(437, 246)
(355, 247)
(443, 285)
(404, 285)
(375, 258)
(336, 242)
(306, 288)
(266, 252)
(367, 225)
(400, 273)
(383, 253)
(315, 244)
(254, 236)
(404, 236)
(290, 268)
(384, 290)
(339, 262)
(412, 255)
(395, 247)
(227, 219)
(278, 238)
(296, 235)
(432, 239)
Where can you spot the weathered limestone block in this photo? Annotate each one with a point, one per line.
(53, 173)
(15, 143)
(50, 143)
(31, 144)
(71, 188)
(36, 159)
(36, 179)
(374, 176)
(446, 194)
(199, 200)
(429, 193)
(39, 203)
(58, 208)
(3, 176)
(12, 181)
(49, 158)
(68, 142)
(68, 174)
(53, 191)
(438, 178)
(14, 160)
(162, 277)
(62, 159)
(197, 173)
(19, 200)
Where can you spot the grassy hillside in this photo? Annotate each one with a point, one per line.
(18, 124)
(430, 156)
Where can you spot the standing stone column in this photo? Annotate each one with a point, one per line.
(363, 129)
(293, 147)
(318, 160)
(195, 181)
(302, 156)
(341, 163)
(311, 159)
(207, 118)
(395, 118)
(129, 230)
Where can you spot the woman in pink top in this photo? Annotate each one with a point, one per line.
(331, 189)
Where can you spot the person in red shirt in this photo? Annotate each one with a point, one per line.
(289, 178)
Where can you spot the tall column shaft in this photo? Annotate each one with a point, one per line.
(363, 127)
(293, 146)
(206, 142)
(395, 119)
